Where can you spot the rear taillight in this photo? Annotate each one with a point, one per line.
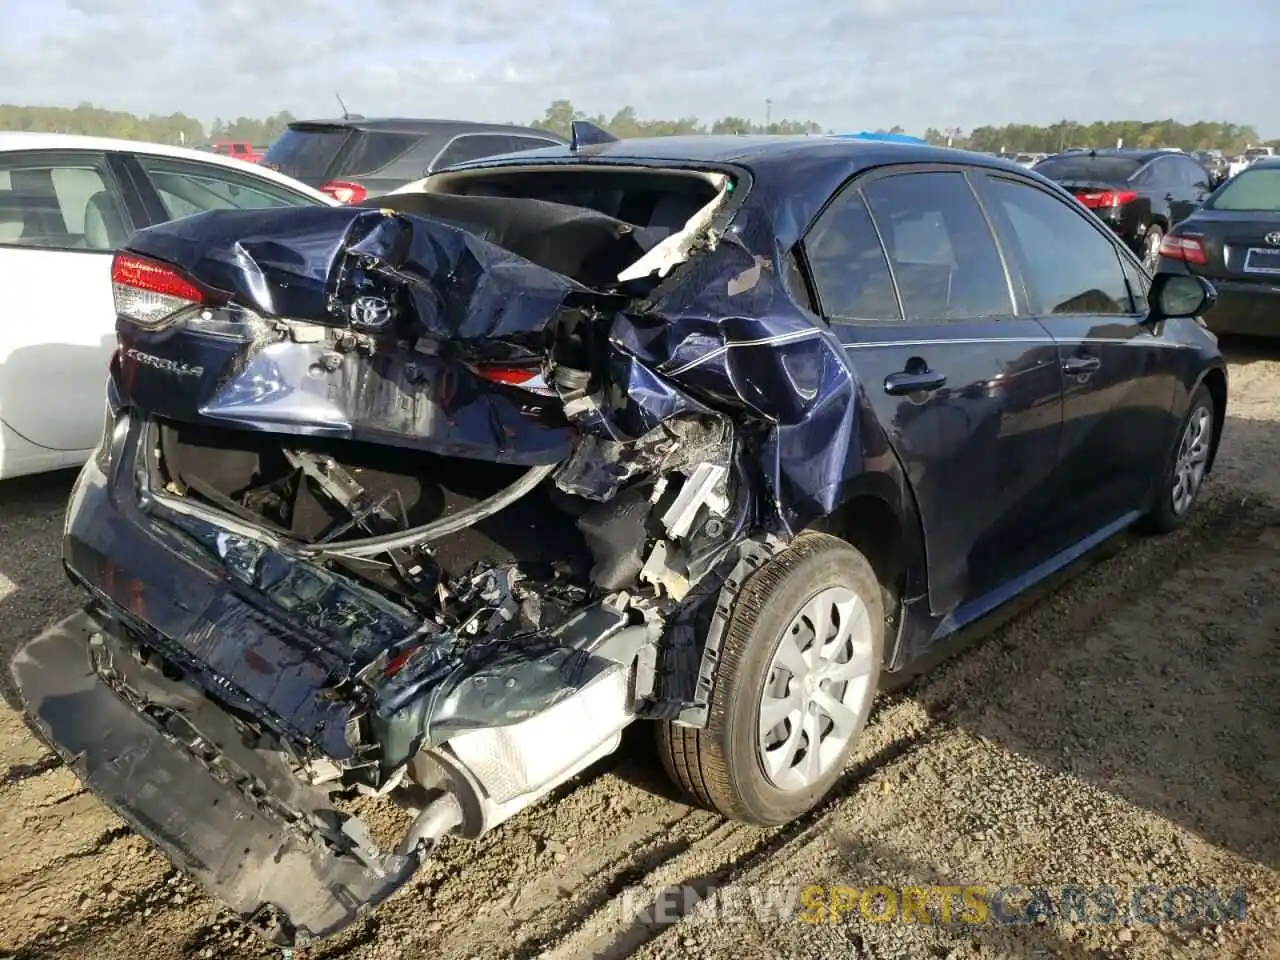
(344, 191)
(147, 291)
(1106, 198)
(1187, 249)
(526, 378)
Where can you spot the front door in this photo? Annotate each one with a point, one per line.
(1119, 372)
(909, 276)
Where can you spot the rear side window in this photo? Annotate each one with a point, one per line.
(1193, 174)
(1070, 265)
(940, 248)
(306, 152)
(516, 144)
(190, 188)
(1161, 172)
(848, 264)
(373, 151)
(474, 146)
(70, 204)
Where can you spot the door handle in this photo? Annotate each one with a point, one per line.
(913, 381)
(1076, 366)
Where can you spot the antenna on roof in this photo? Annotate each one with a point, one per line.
(584, 133)
(345, 114)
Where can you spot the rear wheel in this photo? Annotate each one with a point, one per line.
(1186, 468)
(1151, 248)
(798, 672)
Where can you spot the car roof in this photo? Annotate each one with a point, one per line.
(422, 125)
(1266, 163)
(11, 141)
(799, 173)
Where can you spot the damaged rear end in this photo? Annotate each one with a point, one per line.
(429, 502)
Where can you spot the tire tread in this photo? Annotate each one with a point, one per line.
(692, 756)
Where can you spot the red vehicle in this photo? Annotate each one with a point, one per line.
(240, 149)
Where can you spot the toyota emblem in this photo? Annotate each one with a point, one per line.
(1273, 238)
(370, 312)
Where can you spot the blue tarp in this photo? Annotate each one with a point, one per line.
(890, 137)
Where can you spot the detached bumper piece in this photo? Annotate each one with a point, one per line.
(186, 775)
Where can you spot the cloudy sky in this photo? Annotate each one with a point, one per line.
(844, 63)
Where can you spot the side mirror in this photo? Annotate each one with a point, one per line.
(1175, 295)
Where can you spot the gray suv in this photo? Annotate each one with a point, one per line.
(355, 158)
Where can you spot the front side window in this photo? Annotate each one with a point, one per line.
(66, 204)
(189, 188)
(1071, 267)
(941, 250)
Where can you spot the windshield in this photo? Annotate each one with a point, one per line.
(1257, 152)
(1254, 190)
(1085, 167)
(306, 152)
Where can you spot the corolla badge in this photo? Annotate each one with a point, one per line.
(370, 312)
(176, 367)
(1273, 238)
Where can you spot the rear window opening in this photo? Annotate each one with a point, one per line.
(306, 152)
(1102, 169)
(586, 224)
(1252, 190)
(642, 197)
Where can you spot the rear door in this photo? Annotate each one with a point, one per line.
(1165, 180)
(1195, 185)
(1119, 370)
(62, 214)
(907, 272)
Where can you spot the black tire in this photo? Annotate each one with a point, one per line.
(1151, 247)
(1163, 517)
(717, 767)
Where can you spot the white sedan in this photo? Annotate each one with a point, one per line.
(66, 203)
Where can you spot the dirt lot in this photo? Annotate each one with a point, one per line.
(1123, 730)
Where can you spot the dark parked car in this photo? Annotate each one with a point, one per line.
(708, 431)
(1234, 240)
(353, 159)
(1215, 163)
(1140, 194)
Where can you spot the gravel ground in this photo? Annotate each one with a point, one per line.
(1120, 729)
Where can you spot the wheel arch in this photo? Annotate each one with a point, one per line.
(880, 521)
(1215, 381)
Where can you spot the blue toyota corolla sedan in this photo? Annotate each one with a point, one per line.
(435, 496)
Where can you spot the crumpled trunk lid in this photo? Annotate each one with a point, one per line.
(364, 324)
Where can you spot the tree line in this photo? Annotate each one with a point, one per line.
(179, 128)
(174, 128)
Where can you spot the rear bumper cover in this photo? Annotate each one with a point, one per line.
(181, 774)
(1246, 308)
